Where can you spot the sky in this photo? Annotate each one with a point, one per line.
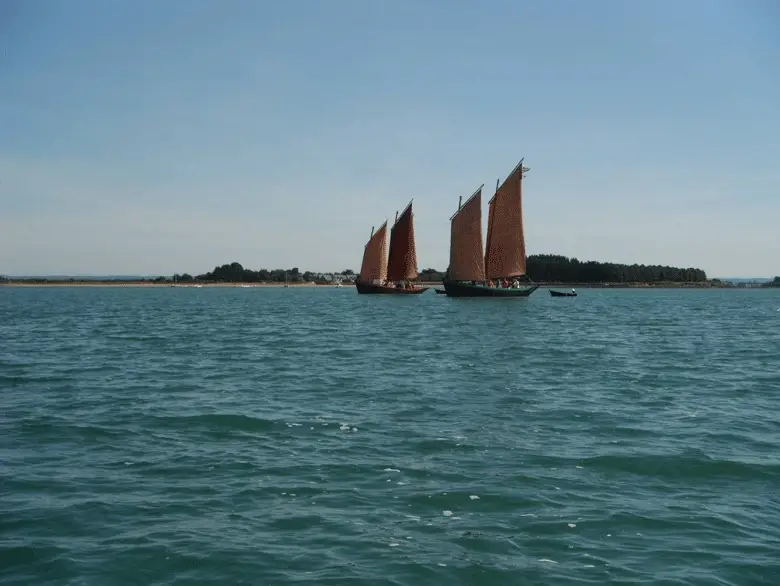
(146, 137)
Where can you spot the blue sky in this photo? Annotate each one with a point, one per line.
(152, 137)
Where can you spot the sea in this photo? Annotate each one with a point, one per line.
(264, 436)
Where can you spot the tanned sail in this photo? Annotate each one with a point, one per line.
(402, 261)
(466, 260)
(374, 266)
(505, 251)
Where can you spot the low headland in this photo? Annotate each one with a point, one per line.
(544, 269)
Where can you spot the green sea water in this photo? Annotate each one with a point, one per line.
(181, 436)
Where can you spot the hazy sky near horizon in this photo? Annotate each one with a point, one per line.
(147, 137)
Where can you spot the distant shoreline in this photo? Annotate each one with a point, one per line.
(193, 285)
(147, 284)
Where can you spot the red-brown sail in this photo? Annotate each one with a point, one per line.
(374, 266)
(466, 260)
(505, 251)
(402, 260)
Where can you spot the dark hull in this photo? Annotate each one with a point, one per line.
(560, 294)
(369, 289)
(440, 291)
(460, 289)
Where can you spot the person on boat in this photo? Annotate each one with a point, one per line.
(515, 284)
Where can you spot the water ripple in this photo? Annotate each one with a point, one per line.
(251, 436)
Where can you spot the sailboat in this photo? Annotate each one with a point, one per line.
(504, 257)
(383, 273)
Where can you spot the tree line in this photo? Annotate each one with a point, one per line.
(235, 273)
(540, 268)
(552, 268)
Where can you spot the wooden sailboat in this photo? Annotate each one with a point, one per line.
(470, 273)
(393, 273)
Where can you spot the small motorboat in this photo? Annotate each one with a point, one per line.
(571, 293)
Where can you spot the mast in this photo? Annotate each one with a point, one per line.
(407, 210)
(466, 260)
(505, 255)
(476, 194)
(489, 240)
(374, 265)
(402, 260)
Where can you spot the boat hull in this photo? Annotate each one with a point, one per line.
(561, 294)
(369, 289)
(461, 289)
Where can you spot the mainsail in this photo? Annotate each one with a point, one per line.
(402, 261)
(505, 250)
(374, 267)
(466, 260)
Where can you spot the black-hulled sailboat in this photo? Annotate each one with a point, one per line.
(504, 262)
(393, 273)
